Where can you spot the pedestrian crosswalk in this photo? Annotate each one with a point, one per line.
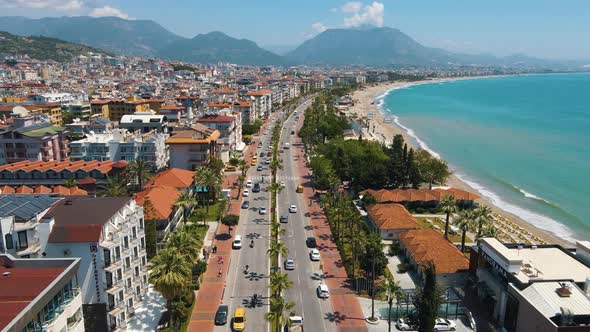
(279, 178)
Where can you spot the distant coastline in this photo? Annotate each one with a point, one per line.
(371, 99)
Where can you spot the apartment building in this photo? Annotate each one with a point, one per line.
(262, 99)
(81, 111)
(191, 147)
(229, 125)
(32, 137)
(40, 295)
(119, 144)
(114, 109)
(145, 122)
(110, 243)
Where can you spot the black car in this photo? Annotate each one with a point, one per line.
(221, 315)
(262, 154)
(292, 132)
(259, 168)
(310, 242)
(284, 218)
(245, 204)
(256, 187)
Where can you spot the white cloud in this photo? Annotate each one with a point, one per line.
(108, 11)
(371, 14)
(351, 7)
(319, 27)
(40, 4)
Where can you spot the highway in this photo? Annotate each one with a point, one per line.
(306, 275)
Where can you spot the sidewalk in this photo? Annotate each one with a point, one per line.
(212, 288)
(347, 312)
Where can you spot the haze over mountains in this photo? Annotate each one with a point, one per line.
(370, 46)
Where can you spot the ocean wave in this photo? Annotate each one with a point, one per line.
(532, 196)
(536, 219)
(415, 137)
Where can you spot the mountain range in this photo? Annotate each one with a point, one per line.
(369, 46)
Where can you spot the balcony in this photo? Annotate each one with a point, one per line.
(115, 287)
(113, 266)
(51, 316)
(31, 248)
(118, 308)
(24, 226)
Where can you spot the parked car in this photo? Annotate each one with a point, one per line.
(443, 324)
(314, 255)
(246, 193)
(230, 168)
(323, 292)
(262, 210)
(221, 315)
(262, 154)
(237, 244)
(289, 264)
(403, 324)
(310, 242)
(292, 132)
(259, 168)
(245, 204)
(249, 184)
(284, 219)
(293, 208)
(256, 187)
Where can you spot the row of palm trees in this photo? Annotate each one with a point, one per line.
(479, 220)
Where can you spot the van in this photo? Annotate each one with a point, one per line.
(237, 244)
(240, 319)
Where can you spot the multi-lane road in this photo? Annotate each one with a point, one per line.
(241, 286)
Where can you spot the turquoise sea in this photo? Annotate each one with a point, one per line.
(522, 141)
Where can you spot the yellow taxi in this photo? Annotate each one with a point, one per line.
(299, 189)
(230, 168)
(240, 319)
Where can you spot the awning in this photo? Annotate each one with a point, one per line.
(240, 146)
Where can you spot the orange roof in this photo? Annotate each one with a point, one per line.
(392, 216)
(242, 103)
(223, 91)
(162, 199)
(173, 177)
(24, 190)
(429, 245)
(219, 104)
(66, 164)
(42, 190)
(419, 195)
(6, 190)
(186, 137)
(259, 92)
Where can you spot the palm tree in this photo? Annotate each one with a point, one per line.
(185, 201)
(276, 315)
(206, 177)
(115, 187)
(279, 282)
(185, 244)
(483, 218)
(448, 206)
(241, 180)
(277, 249)
(465, 222)
(244, 166)
(140, 171)
(222, 210)
(393, 290)
(276, 230)
(70, 183)
(275, 188)
(216, 165)
(170, 272)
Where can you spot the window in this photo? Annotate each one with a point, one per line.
(135, 254)
(119, 274)
(137, 271)
(134, 232)
(142, 243)
(9, 241)
(128, 282)
(143, 261)
(127, 262)
(23, 243)
(126, 242)
(140, 223)
(138, 290)
(120, 296)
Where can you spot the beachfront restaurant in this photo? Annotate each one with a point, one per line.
(414, 199)
(533, 287)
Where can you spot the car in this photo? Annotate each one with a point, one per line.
(253, 163)
(230, 168)
(267, 161)
(289, 264)
(283, 184)
(262, 210)
(284, 219)
(310, 242)
(268, 154)
(442, 324)
(246, 193)
(237, 243)
(323, 292)
(292, 132)
(404, 324)
(239, 319)
(256, 187)
(314, 255)
(259, 168)
(249, 184)
(293, 208)
(245, 204)
(299, 189)
(221, 315)
(294, 321)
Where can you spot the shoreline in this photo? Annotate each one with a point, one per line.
(369, 99)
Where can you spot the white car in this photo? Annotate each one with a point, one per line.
(282, 183)
(267, 161)
(289, 264)
(443, 324)
(323, 292)
(403, 324)
(314, 255)
(293, 209)
(237, 244)
(249, 184)
(246, 193)
(262, 210)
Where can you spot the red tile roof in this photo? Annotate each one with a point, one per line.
(216, 118)
(392, 217)
(172, 177)
(419, 195)
(57, 166)
(429, 245)
(162, 199)
(259, 93)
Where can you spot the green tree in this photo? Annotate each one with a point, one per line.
(465, 222)
(396, 162)
(244, 166)
(169, 273)
(448, 206)
(428, 299)
(70, 183)
(276, 314)
(393, 290)
(277, 249)
(207, 179)
(186, 201)
(483, 218)
(241, 179)
(116, 186)
(216, 165)
(230, 221)
(186, 244)
(140, 172)
(414, 177)
(234, 161)
(279, 282)
(432, 170)
(374, 252)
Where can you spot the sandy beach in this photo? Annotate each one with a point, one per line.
(510, 227)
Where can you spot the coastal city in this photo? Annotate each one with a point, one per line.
(143, 191)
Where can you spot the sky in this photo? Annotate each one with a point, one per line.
(544, 28)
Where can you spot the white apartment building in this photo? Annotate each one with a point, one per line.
(61, 98)
(119, 144)
(229, 125)
(108, 235)
(262, 102)
(40, 295)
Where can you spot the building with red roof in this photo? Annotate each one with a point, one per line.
(391, 219)
(422, 196)
(40, 294)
